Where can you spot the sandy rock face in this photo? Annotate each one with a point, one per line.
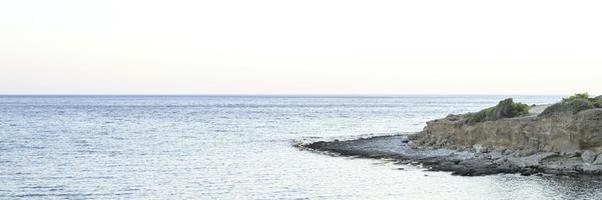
(557, 143)
(564, 133)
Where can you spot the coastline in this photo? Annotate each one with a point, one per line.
(562, 138)
(474, 161)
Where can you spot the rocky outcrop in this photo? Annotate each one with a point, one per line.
(564, 138)
(505, 109)
(565, 133)
(570, 107)
(571, 130)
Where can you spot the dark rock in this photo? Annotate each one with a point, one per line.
(507, 151)
(463, 162)
(571, 154)
(598, 160)
(527, 172)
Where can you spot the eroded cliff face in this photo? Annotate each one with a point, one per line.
(565, 133)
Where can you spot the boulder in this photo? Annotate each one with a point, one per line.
(588, 156)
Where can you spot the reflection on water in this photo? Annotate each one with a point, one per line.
(145, 147)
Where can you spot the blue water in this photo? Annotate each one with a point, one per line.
(236, 147)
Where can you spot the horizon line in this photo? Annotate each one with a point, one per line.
(267, 95)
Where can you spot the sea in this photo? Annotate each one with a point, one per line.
(238, 147)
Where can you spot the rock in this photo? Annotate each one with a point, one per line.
(507, 108)
(464, 162)
(504, 109)
(590, 169)
(588, 156)
(494, 155)
(412, 145)
(559, 133)
(570, 153)
(507, 152)
(527, 172)
(598, 160)
(527, 152)
(570, 107)
(405, 140)
(512, 163)
(480, 148)
(536, 159)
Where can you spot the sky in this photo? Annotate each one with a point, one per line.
(300, 47)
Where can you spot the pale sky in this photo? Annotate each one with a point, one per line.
(300, 47)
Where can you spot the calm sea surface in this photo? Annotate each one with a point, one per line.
(235, 147)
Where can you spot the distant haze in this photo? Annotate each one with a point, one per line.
(300, 47)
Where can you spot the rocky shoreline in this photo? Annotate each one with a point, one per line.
(561, 139)
(474, 161)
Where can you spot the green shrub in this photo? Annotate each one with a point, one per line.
(573, 104)
(598, 103)
(504, 109)
(519, 109)
(480, 116)
(576, 96)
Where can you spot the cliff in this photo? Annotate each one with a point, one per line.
(571, 127)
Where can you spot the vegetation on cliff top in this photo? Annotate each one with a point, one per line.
(573, 104)
(504, 109)
(508, 108)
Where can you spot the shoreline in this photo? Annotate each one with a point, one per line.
(475, 161)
